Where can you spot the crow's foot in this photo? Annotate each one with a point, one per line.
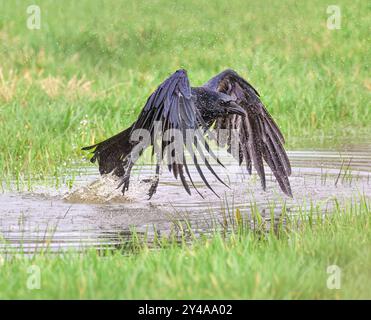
(125, 181)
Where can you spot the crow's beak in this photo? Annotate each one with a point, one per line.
(234, 108)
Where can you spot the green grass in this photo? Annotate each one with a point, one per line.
(88, 71)
(290, 262)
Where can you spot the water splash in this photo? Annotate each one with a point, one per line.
(105, 190)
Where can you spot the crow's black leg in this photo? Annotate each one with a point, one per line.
(126, 177)
(154, 184)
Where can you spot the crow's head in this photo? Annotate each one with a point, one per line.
(213, 105)
(227, 105)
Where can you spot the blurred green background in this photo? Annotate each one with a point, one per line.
(89, 69)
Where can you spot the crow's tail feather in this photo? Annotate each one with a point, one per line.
(111, 153)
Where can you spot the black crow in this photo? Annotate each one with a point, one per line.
(227, 105)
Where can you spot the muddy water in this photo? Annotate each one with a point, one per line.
(94, 212)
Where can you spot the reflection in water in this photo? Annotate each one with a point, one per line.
(95, 213)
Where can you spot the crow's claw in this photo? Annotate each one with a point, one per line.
(124, 183)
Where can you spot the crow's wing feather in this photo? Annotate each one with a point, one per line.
(171, 104)
(259, 136)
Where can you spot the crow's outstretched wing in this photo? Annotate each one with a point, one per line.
(258, 135)
(170, 107)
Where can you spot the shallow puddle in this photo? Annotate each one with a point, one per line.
(95, 213)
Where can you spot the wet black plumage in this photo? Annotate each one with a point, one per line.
(227, 102)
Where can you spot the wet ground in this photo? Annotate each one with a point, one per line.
(94, 212)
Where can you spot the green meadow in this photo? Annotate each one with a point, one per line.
(86, 74)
